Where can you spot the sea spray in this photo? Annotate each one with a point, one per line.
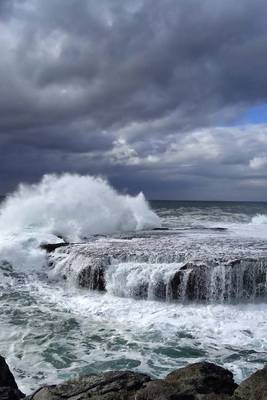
(69, 206)
(259, 219)
(75, 206)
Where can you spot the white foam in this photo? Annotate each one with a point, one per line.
(259, 219)
(147, 332)
(71, 206)
(75, 206)
(131, 279)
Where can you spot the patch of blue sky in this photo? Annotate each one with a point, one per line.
(254, 115)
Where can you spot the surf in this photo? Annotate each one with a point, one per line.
(68, 206)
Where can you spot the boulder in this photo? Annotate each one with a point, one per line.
(120, 385)
(8, 387)
(254, 387)
(201, 381)
(205, 378)
(195, 382)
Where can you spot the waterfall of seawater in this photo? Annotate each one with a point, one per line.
(211, 281)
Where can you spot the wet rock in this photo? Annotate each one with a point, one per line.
(8, 387)
(174, 286)
(210, 277)
(205, 377)
(216, 280)
(50, 247)
(107, 386)
(194, 382)
(92, 276)
(237, 280)
(254, 387)
(201, 381)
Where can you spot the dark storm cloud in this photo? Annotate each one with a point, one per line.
(125, 88)
(5, 8)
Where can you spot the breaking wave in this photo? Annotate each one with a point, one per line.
(259, 219)
(68, 206)
(74, 207)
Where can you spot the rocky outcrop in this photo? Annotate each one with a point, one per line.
(254, 387)
(194, 382)
(237, 280)
(107, 386)
(92, 276)
(215, 280)
(199, 381)
(8, 387)
(193, 275)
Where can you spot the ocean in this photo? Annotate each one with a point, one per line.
(141, 286)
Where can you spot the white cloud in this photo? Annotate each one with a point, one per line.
(258, 162)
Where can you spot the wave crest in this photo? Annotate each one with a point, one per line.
(74, 206)
(259, 219)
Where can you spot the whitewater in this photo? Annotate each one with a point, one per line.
(70, 206)
(148, 287)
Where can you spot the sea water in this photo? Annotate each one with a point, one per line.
(52, 330)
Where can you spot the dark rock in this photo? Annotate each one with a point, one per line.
(93, 275)
(241, 279)
(107, 386)
(161, 290)
(174, 286)
(201, 381)
(194, 382)
(6, 377)
(214, 280)
(8, 387)
(49, 247)
(140, 291)
(254, 387)
(8, 393)
(206, 378)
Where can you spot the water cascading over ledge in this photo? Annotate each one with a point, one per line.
(236, 280)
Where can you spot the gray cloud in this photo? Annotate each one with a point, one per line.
(134, 90)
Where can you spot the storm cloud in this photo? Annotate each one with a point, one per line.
(149, 93)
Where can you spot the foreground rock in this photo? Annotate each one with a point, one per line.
(254, 387)
(200, 381)
(8, 387)
(109, 385)
(195, 382)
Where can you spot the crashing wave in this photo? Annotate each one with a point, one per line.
(75, 206)
(68, 206)
(259, 219)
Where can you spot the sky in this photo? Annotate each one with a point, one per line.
(165, 97)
